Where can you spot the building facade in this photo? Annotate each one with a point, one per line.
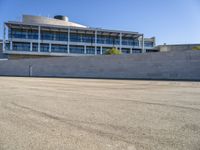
(36, 35)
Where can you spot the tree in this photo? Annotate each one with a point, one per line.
(112, 51)
(196, 48)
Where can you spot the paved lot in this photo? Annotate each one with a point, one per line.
(83, 114)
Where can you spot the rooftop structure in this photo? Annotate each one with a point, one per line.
(36, 35)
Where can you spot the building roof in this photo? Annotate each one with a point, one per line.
(51, 21)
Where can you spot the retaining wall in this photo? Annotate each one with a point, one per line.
(165, 65)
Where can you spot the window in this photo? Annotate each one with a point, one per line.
(108, 40)
(45, 35)
(35, 47)
(104, 49)
(148, 44)
(32, 34)
(136, 51)
(21, 46)
(77, 49)
(90, 50)
(59, 48)
(17, 33)
(61, 36)
(87, 38)
(44, 47)
(125, 51)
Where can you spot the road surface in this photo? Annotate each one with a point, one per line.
(90, 114)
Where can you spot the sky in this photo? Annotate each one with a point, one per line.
(170, 21)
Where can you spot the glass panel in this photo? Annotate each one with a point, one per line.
(59, 48)
(125, 51)
(77, 49)
(21, 46)
(44, 47)
(90, 50)
(35, 47)
(148, 44)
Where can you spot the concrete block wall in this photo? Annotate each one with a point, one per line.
(180, 48)
(166, 65)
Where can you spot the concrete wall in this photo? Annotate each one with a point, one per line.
(169, 65)
(181, 47)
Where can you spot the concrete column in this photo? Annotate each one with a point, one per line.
(101, 50)
(85, 52)
(49, 47)
(39, 37)
(4, 37)
(139, 43)
(31, 46)
(95, 42)
(131, 51)
(68, 45)
(143, 49)
(11, 45)
(120, 41)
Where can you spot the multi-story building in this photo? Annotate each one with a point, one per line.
(36, 35)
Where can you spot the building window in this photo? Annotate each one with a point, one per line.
(98, 50)
(125, 51)
(86, 38)
(32, 34)
(46, 35)
(61, 36)
(44, 47)
(35, 47)
(104, 49)
(17, 33)
(90, 50)
(136, 51)
(111, 40)
(21, 46)
(76, 49)
(148, 44)
(58, 48)
(7, 46)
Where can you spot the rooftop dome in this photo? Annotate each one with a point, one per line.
(60, 17)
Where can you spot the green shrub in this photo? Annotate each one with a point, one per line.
(196, 48)
(112, 51)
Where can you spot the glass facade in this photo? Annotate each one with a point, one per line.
(63, 36)
(105, 39)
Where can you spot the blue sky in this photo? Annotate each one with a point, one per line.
(170, 21)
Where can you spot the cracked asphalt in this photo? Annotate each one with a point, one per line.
(91, 114)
